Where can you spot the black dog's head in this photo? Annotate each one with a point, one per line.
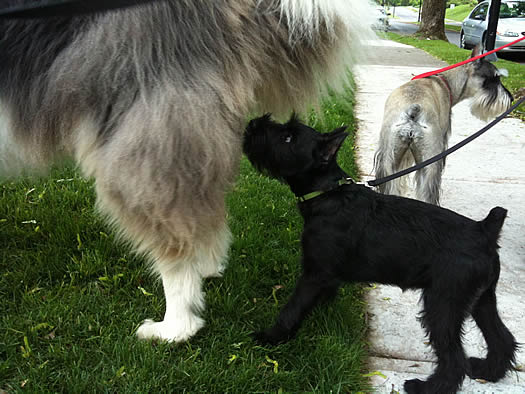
(291, 150)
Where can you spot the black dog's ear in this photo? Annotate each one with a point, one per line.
(330, 143)
(294, 122)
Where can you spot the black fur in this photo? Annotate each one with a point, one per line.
(353, 234)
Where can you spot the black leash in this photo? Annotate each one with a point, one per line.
(49, 8)
(447, 152)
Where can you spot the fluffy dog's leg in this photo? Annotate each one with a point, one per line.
(182, 282)
(310, 290)
(163, 184)
(184, 300)
(500, 342)
(181, 261)
(443, 321)
(213, 256)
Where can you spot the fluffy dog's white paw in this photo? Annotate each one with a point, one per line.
(172, 331)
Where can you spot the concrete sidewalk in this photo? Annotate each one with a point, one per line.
(489, 171)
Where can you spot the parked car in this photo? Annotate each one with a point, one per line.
(511, 25)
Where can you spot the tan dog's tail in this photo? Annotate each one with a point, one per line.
(413, 112)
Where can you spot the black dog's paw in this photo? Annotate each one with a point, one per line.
(431, 386)
(477, 368)
(271, 336)
(414, 386)
(480, 368)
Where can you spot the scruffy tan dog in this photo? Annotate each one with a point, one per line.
(417, 122)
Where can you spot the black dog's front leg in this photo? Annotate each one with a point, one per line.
(308, 292)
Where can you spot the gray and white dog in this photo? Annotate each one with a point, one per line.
(417, 122)
(151, 102)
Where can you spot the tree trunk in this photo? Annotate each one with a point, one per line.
(433, 20)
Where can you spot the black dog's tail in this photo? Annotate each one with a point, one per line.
(493, 222)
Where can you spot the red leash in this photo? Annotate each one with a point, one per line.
(428, 74)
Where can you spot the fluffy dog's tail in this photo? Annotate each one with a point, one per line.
(493, 222)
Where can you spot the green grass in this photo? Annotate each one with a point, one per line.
(72, 297)
(459, 12)
(452, 27)
(452, 54)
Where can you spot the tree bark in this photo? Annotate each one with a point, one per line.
(433, 20)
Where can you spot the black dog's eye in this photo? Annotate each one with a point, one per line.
(287, 138)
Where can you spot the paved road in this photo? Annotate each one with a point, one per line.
(406, 28)
(402, 22)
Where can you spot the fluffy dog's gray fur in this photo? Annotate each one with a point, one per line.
(151, 100)
(417, 122)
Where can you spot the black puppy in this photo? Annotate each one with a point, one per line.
(352, 234)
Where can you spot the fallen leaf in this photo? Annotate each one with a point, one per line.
(146, 293)
(40, 326)
(275, 364)
(375, 373)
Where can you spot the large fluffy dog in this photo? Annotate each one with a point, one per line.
(150, 101)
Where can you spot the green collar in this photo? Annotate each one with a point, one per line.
(309, 196)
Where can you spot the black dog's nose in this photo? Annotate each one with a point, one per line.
(251, 125)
